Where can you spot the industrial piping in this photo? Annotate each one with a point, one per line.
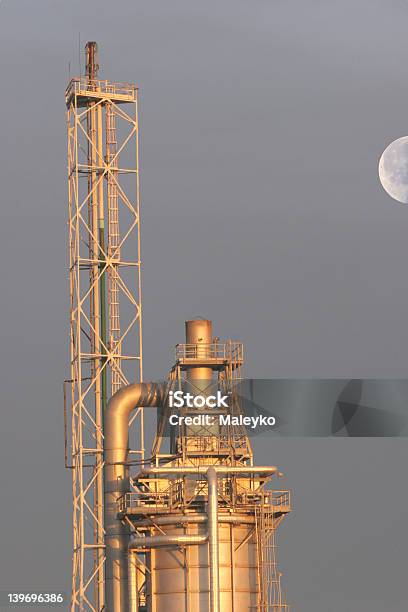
(153, 542)
(244, 470)
(120, 561)
(116, 479)
(188, 540)
(117, 416)
(181, 519)
(213, 539)
(211, 474)
(132, 582)
(167, 540)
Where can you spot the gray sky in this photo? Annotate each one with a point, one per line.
(262, 124)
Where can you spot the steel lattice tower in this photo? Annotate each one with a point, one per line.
(105, 299)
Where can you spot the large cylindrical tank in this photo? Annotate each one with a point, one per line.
(179, 579)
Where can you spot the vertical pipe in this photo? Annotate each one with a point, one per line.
(232, 553)
(132, 582)
(94, 191)
(102, 342)
(213, 540)
(199, 379)
(199, 333)
(116, 483)
(102, 263)
(91, 56)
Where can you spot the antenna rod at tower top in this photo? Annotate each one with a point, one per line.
(92, 60)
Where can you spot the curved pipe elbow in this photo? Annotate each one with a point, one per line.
(118, 411)
(134, 395)
(121, 405)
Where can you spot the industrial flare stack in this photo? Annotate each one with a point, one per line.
(193, 527)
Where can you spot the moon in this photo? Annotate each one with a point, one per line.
(393, 170)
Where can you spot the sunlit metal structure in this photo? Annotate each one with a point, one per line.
(105, 298)
(193, 527)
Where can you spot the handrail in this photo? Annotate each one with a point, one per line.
(78, 85)
(213, 350)
(175, 496)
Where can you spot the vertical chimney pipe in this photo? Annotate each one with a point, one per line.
(116, 484)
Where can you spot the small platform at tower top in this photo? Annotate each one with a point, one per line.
(85, 89)
(216, 355)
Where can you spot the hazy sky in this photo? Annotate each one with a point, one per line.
(262, 123)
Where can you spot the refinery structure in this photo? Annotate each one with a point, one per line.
(190, 524)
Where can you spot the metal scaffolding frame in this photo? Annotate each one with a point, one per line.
(271, 597)
(105, 299)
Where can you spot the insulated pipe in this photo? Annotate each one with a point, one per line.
(132, 582)
(153, 542)
(213, 539)
(244, 470)
(192, 519)
(116, 483)
(175, 519)
(212, 536)
(167, 540)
